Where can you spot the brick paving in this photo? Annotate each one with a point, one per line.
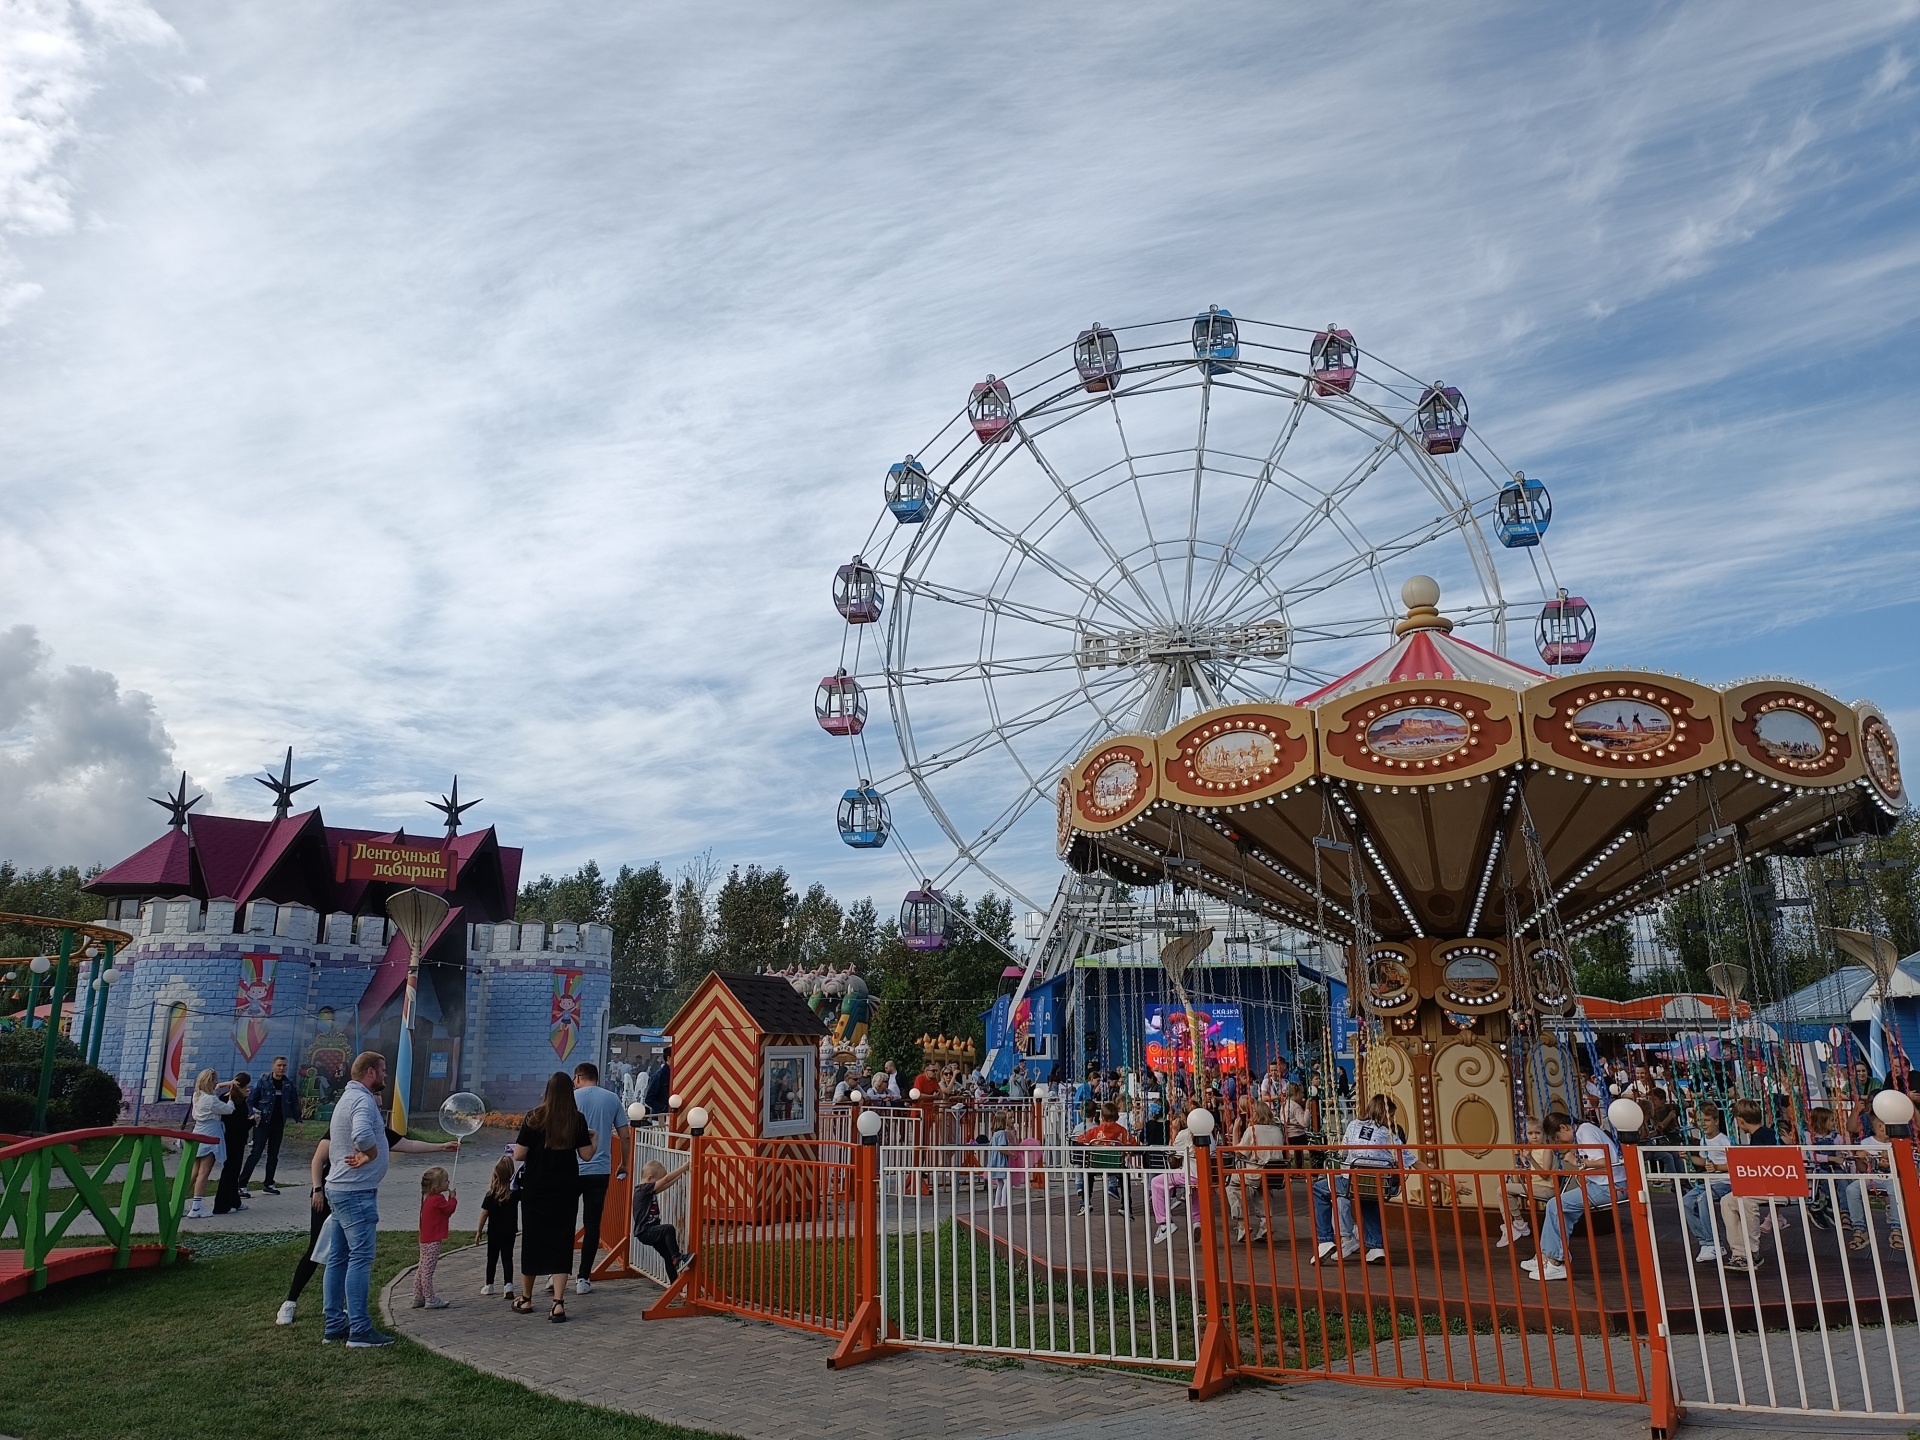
(765, 1382)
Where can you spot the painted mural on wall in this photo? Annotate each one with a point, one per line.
(173, 1051)
(253, 1004)
(564, 1030)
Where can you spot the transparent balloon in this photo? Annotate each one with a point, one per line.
(463, 1113)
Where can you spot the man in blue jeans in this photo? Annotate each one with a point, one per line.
(1603, 1175)
(358, 1140)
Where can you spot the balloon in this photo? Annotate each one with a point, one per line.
(462, 1114)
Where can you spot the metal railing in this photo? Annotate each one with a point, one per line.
(1798, 1300)
(991, 1248)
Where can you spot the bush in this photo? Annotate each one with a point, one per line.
(82, 1097)
(25, 1047)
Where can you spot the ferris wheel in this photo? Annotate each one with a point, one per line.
(1151, 521)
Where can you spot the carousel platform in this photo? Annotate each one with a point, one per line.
(1444, 1265)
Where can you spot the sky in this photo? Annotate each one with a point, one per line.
(492, 389)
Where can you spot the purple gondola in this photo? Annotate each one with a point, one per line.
(1442, 417)
(925, 923)
(1096, 355)
(856, 592)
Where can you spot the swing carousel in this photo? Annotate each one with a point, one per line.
(1452, 818)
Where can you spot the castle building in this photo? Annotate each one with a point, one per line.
(250, 939)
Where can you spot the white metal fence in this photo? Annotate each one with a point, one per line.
(1803, 1303)
(998, 1249)
(652, 1142)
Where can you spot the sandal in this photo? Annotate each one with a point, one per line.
(1896, 1241)
(558, 1315)
(1857, 1240)
(521, 1305)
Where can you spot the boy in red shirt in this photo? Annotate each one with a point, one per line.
(437, 1204)
(1105, 1136)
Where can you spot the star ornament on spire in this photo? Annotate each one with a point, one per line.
(451, 808)
(177, 804)
(284, 787)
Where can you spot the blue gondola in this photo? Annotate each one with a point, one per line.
(864, 823)
(1523, 512)
(1442, 416)
(909, 492)
(1216, 337)
(925, 921)
(856, 592)
(1096, 355)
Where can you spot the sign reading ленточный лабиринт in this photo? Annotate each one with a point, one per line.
(430, 867)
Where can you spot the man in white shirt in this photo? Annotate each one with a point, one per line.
(358, 1145)
(1701, 1200)
(1604, 1174)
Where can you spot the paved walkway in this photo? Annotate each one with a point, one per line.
(764, 1382)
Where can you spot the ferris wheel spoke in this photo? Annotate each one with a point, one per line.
(1304, 529)
(1061, 571)
(1094, 532)
(968, 670)
(1140, 499)
(990, 604)
(1250, 507)
(1193, 510)
(1045, 713)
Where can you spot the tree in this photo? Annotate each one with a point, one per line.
(753, 920)
(689, 934)
(53, 893)
(941, 992)
(640, 910)
(1603, 962)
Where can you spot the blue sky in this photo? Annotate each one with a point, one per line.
(494, 388)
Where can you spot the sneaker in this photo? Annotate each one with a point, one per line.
(1744, 1262)
(1821, 1219)
(1323, 1253)
(1376, 1256)
(1707, 1252)
(285, 1314)
(269, 1188)
(1347, 1252)
(436, 1303)
(1551, 1271)
(488, 1290)
(583, 1286)
(1163, 1234)
(1521, 1229)
(1530, 1265)
(245, 1193)
(371, 1340)
(1505, 1237)
(194, 1212)
(333, 1337)
(419, 1302)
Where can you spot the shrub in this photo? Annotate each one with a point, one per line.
(81, 1097)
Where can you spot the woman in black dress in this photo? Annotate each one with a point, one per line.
(238, 1122)
(552, 1142)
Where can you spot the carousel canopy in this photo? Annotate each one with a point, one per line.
(1444, 791)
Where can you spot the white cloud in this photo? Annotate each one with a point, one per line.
(78, 759)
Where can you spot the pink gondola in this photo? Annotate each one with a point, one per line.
(1334, 360)
(990, 408)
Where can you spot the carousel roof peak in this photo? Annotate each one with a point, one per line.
(1421, 595)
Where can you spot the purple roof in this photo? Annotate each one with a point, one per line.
(165, 865)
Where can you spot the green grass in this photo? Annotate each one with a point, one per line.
(193, 1351)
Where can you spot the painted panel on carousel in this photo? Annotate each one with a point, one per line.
(1789, 732)
(1390, 981)
(1880, 753)
(1237, 754)
(1473, 980)
(1110, 786)
(1416, 734)
(1549, 981)
(1622, 722)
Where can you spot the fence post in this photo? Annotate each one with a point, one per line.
(1663, 1410)
(866, 1331)
(1909, 1182)
(616, 1220)
(687, 1289)
(1217, 1365)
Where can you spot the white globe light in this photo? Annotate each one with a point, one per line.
(1893, 1108)
(854, 1096)
(697, 1118)
(1626, 1115)
(914, 1093)
(1040, 1091)
(41, 964)
(110, 974)
(636, 1112)
(1200, 1124)
(869, 1123)
(673, 1102)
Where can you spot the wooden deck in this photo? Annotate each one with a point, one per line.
(1443, 1264)
(71, 1262)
